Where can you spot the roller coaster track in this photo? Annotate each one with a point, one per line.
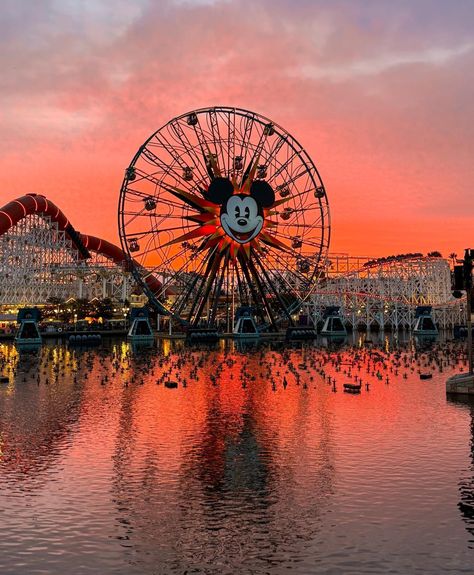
(30, 204)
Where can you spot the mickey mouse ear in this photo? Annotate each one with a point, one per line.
(220, 190)
(262, 193)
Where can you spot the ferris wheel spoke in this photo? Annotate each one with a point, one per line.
(273, 288)
(154, 160)
(242, 287)
(197, 275)
(294, 178)
(288, 269)
(316, 225)
(173, 204)
(245, 137)
(162, 199)
(154, 231)
(218, 290)
(151, 216)
(147, 250)
(287, 234)
(205, 287)
(208, 157)
(272, 152)
(228, 119)
(181, 135)
(255, 156)
(248, 290)
(263, 294)
(164, 264)
(183, 299)
(216, 136)
(173, 278)
(281, 169)
(169, 171)
(298, 196)
(170, 149)
(160, 184)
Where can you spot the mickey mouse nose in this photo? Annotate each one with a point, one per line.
(242, 222)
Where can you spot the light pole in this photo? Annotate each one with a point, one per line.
(467, 265)
(462, 280)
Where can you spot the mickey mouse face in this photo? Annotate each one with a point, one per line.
(241, 215)
(241, 219)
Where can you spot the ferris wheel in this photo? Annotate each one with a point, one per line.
(225, 209)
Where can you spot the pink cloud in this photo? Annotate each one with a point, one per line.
(380, 98)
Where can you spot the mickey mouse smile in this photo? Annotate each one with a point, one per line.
(241, 237)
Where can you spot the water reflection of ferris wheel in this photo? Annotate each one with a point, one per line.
(223, 205)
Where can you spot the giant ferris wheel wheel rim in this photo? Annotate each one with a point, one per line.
(275, 253)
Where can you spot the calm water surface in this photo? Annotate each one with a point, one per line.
(255, 463)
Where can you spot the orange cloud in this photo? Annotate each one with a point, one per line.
(379, 94)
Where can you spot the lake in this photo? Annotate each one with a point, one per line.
(235, 459)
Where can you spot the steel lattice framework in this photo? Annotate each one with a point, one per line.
(38, 261)
(385, 293)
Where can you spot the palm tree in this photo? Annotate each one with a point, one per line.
(453, 257)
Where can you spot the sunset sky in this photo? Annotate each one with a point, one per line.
(380, 93)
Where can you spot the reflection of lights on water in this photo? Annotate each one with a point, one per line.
(124, 349)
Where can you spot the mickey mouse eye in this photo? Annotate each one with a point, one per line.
(237, 211)
(247, 212)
